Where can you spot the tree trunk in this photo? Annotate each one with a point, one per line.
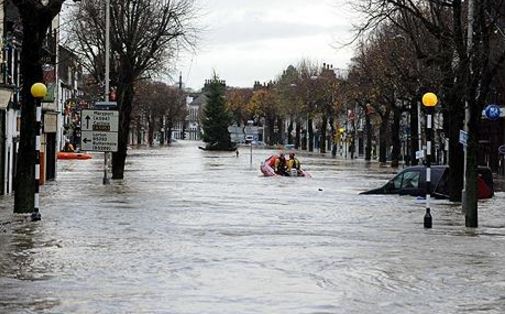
(368, 134)
(290, 130)
(456, 157)
(297, 134)
(471, 195)
(323, 135)
(396, 143)
(162, 132)
(126, 93)
(310, 135)
(151, 129)
(414, 132)
(383, 139)
(269, 134)
(333, 144)
(279, 134)
(138, 131)
(34, 31)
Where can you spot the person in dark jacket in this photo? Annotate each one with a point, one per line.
(281, 165)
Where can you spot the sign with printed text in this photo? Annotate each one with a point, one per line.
(99, 130)
(463, 137)
(99, 141)
(99, 120)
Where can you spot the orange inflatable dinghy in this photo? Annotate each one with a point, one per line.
(71, 155)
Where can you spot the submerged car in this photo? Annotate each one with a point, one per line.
(412, 181)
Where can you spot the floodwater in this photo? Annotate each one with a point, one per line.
(190, 231)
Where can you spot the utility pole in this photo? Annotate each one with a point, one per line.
(106, 91)
(470, 210)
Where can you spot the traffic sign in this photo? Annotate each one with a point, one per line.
(420, 154)
(99, 120)
(463, 136)
(99, 141)
(108, 104)
(492, 112)
(99, 130)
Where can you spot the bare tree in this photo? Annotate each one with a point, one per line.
(263, 103)
(160, 106)
(455, 56)
(286, 87)
(145, 37)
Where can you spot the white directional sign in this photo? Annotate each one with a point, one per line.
(99, 130)
(99, 120)
(99, 141)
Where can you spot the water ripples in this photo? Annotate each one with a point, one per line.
(190, 231)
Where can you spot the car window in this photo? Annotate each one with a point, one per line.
(397, 181)
(410, 179)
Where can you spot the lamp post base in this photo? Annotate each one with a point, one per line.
(427, 220)
(36, 215)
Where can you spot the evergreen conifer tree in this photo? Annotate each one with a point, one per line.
(217, 118)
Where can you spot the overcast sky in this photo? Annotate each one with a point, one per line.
(254, 40)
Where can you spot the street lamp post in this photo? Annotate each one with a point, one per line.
(429, 100)
(38, 91)
(105, 179)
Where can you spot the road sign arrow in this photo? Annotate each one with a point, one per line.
(87, 122)
(86, 140)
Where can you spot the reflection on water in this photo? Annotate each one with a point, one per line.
(190, 231)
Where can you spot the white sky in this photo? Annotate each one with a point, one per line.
(255, 40)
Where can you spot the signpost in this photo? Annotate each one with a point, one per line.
(99, 130)
(248, 130)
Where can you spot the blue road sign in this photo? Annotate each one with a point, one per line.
(492, 112)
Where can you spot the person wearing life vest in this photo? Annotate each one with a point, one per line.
(293, 163)
(271, 161)
(281, 167)
(268, 166)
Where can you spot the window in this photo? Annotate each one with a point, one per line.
(397, 181)
(410, 179)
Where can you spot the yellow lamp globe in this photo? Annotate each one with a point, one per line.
(429, 100)
(38, 90)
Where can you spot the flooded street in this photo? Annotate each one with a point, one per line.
(190, 231)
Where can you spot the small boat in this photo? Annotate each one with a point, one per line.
(267, 168)
(73, 155)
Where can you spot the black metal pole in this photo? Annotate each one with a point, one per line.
(427, 220)
(38, 114)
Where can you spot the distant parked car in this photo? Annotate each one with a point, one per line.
(412, 181)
